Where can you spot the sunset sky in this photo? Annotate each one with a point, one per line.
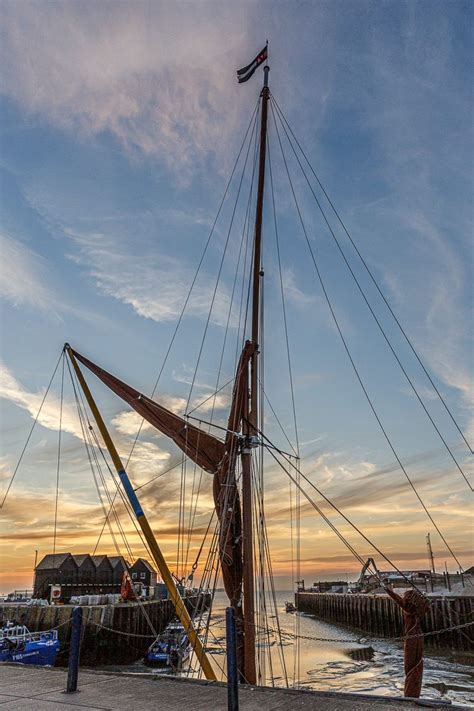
(120, 124)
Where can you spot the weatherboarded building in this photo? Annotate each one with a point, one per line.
(142, 572)
(83, 574)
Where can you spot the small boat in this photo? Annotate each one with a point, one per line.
(18, 644)
(289, 607)
(170, 649)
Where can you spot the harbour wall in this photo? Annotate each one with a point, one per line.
(112, 634)
(379, 615)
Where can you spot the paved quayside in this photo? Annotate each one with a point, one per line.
(23, 689)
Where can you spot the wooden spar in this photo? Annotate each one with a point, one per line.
(155, 550)
(251, 426)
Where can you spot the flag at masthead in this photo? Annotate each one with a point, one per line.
(245, 73)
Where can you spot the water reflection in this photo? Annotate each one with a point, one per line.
(352, 663)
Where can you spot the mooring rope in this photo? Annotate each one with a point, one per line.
(290, 635)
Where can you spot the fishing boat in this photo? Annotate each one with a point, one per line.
(236, 452)
(170, 649)
(290, 607)
(18, 644)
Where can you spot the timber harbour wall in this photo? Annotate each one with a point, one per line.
(112, 634)
(380, 616)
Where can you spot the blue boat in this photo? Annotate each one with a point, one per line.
(170, 649)
(18, 644)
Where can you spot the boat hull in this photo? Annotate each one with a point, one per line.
(37, 653)
(162, 659)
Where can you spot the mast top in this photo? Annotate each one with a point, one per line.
(266, 70)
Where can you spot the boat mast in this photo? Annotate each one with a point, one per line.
(251, 411)
(154, 548)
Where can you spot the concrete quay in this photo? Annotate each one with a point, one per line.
(24, 688)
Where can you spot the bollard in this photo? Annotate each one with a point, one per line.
(232, 674)
(73, 665)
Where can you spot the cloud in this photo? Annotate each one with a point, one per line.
(419, 118)
(23, 276)
(149, 75)
(11, 389)
(148, 457)
(155, 286)
(24, 282)
(293, 292)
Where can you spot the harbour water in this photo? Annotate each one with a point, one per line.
(351, 663)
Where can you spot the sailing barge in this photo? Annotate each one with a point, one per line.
(217, 457)
(234, 456)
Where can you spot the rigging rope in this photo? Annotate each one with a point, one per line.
(296, 673)
(375, 282)
(343, 515)
(188, 296)
(30, 433)
(349, 355)
(58, 462)
(118, 492)
(372, 312)
(208, 319)
(91, 455)
(217, 389)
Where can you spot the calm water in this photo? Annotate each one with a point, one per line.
(326, 665)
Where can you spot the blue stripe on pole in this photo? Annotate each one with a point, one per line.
(127, 485)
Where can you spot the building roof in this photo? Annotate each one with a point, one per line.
(51, 561)
(79, 559)
(99, 559)
(116, 559)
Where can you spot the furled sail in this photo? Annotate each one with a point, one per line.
(227, 502)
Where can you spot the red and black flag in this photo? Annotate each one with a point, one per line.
(246, 72)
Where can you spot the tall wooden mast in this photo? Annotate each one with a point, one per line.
(251, 428)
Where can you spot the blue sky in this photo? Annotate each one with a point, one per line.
(120, 123)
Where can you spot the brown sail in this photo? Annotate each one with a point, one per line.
(213, 455)
(204, 449)
(227, 502)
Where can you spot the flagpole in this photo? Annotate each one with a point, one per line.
(252, 426)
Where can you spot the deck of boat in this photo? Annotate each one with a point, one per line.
(23, 689)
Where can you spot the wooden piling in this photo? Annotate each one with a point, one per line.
(378, 615)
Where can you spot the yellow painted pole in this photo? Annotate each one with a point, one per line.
(155, 550)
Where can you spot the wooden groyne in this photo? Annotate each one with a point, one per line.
(378, 615)
(113, 634)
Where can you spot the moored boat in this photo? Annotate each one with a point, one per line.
(170, 649)
(18, 644)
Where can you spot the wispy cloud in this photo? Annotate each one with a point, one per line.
(155, 286)
(147, 77)
(23, 276)
(293, 292)
(148, 456)
(11, 389)
(418, 113)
